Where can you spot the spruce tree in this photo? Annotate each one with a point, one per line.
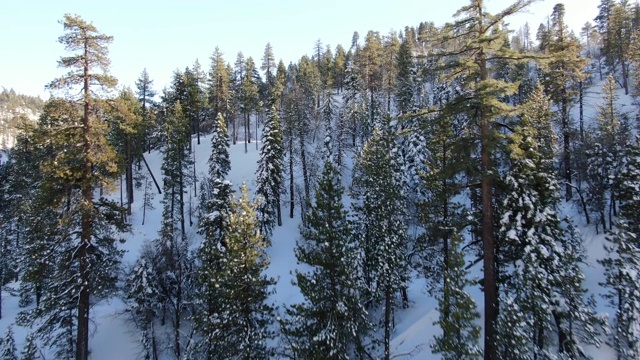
(269, 175)
(331, 321)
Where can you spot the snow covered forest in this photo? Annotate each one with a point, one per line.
(461, 191)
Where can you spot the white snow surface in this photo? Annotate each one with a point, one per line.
(114, 337)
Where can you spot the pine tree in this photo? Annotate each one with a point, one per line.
(268, 66)
(561, 75)
(330, 323)
(458, 323)
(8, 349)
(338, 68)
(126, 136)
(382, 233)
(622, 262)
(250, 94)
(30, 349)
(269, 180)
(94, 250)
(405, 87)
(240, 324)
(370, 66)
(145, 94)
(483, 42)
(219, 88)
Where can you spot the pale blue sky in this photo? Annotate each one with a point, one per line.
(164, 35)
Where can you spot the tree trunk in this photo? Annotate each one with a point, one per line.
(488, 239)
(387, 322)
(183, 231)
(152, 177)
(581, 102)
(305, 173)
(291, 187)
(566, 153)
(246, 133)
(625, 82)
(86, 224)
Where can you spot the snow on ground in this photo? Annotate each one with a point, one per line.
(113, 337)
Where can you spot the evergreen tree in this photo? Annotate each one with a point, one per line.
(268, 66)
(405, 87)
(338, 68)
(126, 136)
(561, 75)
(622, 262)
(215, 190)
(544, 255)
(381, 231)
(174, 264)
(530, 230)
(482, 41)
(391, 47)
(269, 180)
(370, 66)
(8, 349)
(142, 294)
(30, 349)
(604, 155)
(249, 102)
(215, 209)
(92, 251)
(240, 324)
(6, 242)
(145, 95)
(458, 323)
(330, 323)
(219, 89)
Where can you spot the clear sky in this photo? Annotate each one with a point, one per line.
(163, 35)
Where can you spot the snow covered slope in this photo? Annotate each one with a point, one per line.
(113, 337)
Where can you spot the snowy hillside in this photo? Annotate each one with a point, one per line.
(114, 337)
